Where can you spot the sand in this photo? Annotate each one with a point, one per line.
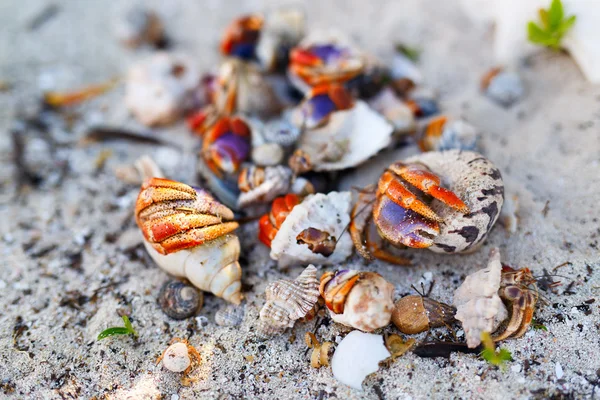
(71, 255)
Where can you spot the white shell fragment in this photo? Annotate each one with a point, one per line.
(349, 138)
(267, 154)
(176, 357)
(357, 356)
(478, 306)
(478, 183)
(394, 110)
(326, 212)
(457, 134)
(288, 301)
(157, 88)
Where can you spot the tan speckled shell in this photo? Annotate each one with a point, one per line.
(479, 308)
(479, 184)
(288, 301)
(230, 316)
(369, 304)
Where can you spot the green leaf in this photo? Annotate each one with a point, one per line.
(489, 353)
(412, 53)
(537, 35)
(117, 330)
(128, 325)
(555, 14)
(544, 18)
(567, 24)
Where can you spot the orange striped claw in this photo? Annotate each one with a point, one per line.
(270, 223)
(174, 216)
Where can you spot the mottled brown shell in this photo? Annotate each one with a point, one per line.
(414, 314)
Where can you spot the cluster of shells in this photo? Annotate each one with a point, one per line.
(267, 154)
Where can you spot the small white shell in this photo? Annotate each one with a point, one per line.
(456, 134)
(277, 182)
(157, 88)
(505, 88)
(394, 110)
(478, 306)
(326, 212)
(288, 301)
(349, 138)
(230, 316)
(176, 357)
(478, 183)
(267, 154)
(357, 356)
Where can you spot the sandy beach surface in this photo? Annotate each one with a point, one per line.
(72, 257)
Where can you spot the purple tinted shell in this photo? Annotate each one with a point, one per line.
(317, 108)
(231, 151)
(328, 53)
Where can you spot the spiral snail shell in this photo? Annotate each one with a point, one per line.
(179, 300)
(415, 314)
(188, 234)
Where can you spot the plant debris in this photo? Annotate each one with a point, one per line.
(554, 25)
(489, 353)
(60, 99)
(443, 349)
(119, 330)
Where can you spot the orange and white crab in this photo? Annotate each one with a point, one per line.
(400, 213)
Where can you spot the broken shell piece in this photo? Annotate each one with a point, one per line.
(349, 138)
(357, 356)
(288, 301)
(361, 300)
(478, 183)
(502, 86)
(415, 314)
(157, 88)
(139, 26)
(230, 316)
(509, 214)
(479, 308)
(325, 212)
(281, 31)
(262, 185)
(443, 133)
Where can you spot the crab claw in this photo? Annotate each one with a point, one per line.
(403, 226)
(322, 102)
(419, 176)
(241, 36)
(335, 286)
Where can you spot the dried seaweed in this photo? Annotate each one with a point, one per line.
(105, 134)
(443, 349)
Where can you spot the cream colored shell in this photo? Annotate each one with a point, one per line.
(212, 267)
(277, 182)
(288, 301)
(176, 357)
(369, 304)
(478, 306)
(326, 212)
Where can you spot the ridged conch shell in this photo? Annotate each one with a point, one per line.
(326, 212)
(288, 301)
(230, 316)
(361, 300)
(348, 139)
(478, 306)
(263, 184)
(188, 234)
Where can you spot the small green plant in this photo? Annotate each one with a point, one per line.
(553, 27)
(535, 324)
(412, 53)
(119, 330)
(489, 353)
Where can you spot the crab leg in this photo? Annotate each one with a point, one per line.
(428, 183)
(400, 195)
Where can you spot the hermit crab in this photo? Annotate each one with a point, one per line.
(362, 300)
(189, 234)
(241, 36)
(339, 132)
(307, 230)
(324, 58)
(444, 201)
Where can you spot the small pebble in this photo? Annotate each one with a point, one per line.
(174, 396)
(176, 357)
(516, 368)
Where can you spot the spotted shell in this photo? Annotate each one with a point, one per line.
(326, 212)
(361, 300)
(179, 300)
(348, 139)
(288, 301)
(476, 181)
(478, 305)
(262, 185)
